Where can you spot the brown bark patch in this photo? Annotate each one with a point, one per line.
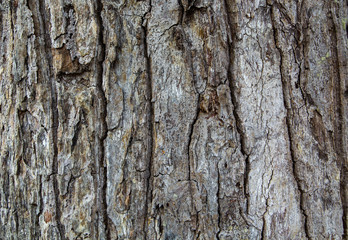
(47, 217)
(62, 62)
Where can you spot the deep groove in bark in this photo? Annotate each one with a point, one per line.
(182, 12)
(288, 108)
(32, 7)
(218, 202)
(190, 140)
(16, 217)
(38, 232)
(339, 120)
(263, 230)
(188, 50)
(55, 114)
(151, 115)
(104, 128)
(242, 138)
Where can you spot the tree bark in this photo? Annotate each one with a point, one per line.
(177, 119)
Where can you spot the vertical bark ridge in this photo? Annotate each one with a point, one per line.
(288, 107)
(54, 114)
(151, 114)
(102, 168)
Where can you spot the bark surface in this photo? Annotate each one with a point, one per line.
(176, 119)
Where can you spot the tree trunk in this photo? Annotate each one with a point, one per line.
(177, 119)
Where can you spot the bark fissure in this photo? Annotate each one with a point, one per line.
(264, 226)
(15, 212)
(339, 120)
(198, 95)
(182, 12)
(54, 116)
(218, 203)
(102, 167)
(302, 42)
(38, 232)
(191, 132)
(288, 109)
(151, 116)
(76, 134)
(233, 90)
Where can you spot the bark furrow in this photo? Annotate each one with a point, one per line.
(174, 119)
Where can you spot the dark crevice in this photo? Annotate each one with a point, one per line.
(288, 107)
(246, 182)
(242, 137)
(102, 168)
(243, 149)
(37, 229)
(264, 230)
(339, 128)
(70, 186)
(54, 112)
(182, 12)
(185, 46)
(264, 226)
(15, 212)
(76, 135)
(188, 51)
(191, 131)
(218, 202)
(151, 115)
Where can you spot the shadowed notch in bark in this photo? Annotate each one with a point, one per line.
(150, 119)
(44, 23)
(231, 49)
(218, 202)
(103, 128)
(76, 135)
(340, 144)
(287, 104)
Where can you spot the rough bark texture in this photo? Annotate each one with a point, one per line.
(179, 119)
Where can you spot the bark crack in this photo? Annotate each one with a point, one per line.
(288, 108)
(151, 115)
(218, 202)
(190, 139)
(102, 167)
(263, 231)
(54, 116)
(197, 112)
(77, 129)
(233, 90)
(339, 129)
(38, 232)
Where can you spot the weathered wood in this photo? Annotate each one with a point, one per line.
(177, 119)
